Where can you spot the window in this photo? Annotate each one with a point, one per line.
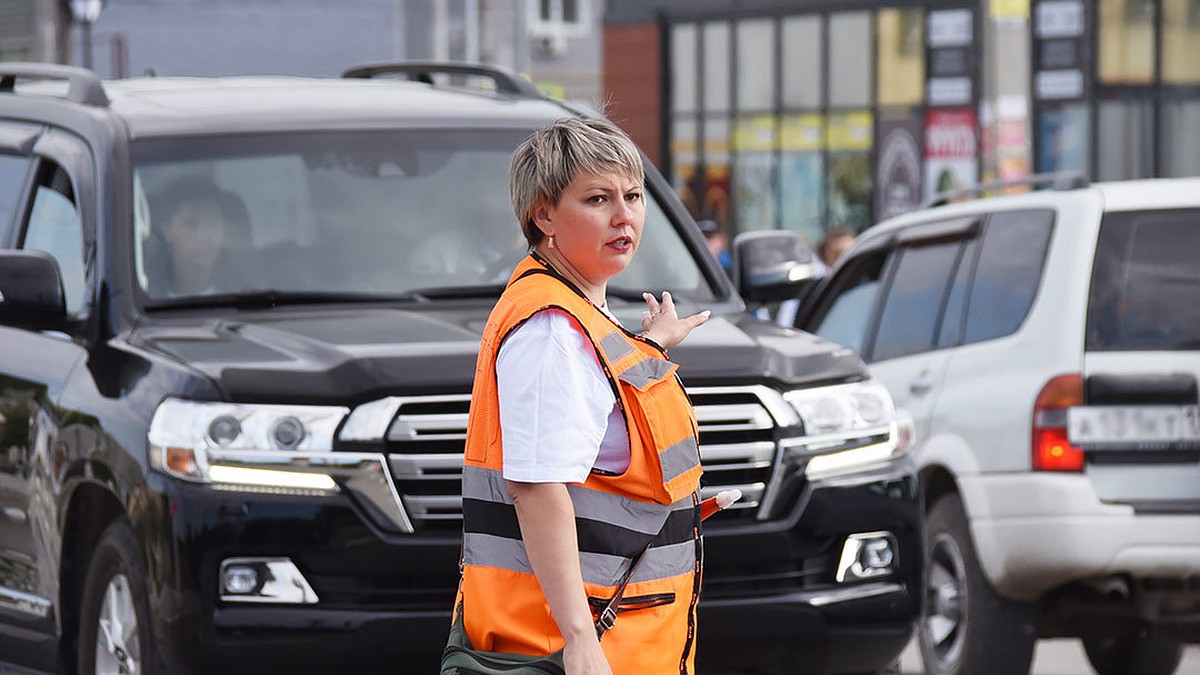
(951, 329)
(850, 73)
(566, 13)
(716, 67)
(1144, 282)
(900, 58)
(844, 317)
(1126, 146)
(54, 227)
(12, 180)
(349, 212)
(756, 65)
(1008, 273)
(1126, 41)
(1063, 139)
(908, 323)
(1180, 142)
(1180, 34)
(683, 68)
(803, 62)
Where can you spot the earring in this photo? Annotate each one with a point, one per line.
(550, 241)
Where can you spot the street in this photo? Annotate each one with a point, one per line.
(1055, 657)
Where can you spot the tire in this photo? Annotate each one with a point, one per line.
(965, 627)
(1145, 651)
(115, 635)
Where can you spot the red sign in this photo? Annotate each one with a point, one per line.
(950, 134)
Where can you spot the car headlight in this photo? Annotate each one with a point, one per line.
(847, 409)
(198, 441)
(847, 428)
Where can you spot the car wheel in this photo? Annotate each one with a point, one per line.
(114, 627)
(966, 628)
(1145, 651)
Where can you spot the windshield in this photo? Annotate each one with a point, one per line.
(1145, 282)
(339, 215)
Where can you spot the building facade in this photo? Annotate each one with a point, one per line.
(813, 114)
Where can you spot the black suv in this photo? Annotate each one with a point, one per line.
(261, 468)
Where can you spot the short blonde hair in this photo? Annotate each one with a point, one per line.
(552, 157)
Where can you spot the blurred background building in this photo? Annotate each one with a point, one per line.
(796, 114)
(812, 114)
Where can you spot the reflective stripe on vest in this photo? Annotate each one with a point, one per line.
(611, 529)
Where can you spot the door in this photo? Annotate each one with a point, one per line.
(900, 305)
(34, 365)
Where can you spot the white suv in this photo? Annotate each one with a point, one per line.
(1048, 347)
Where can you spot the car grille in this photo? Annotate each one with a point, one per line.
(424, 446)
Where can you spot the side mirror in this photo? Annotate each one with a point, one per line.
(772, 265)
(31, 289)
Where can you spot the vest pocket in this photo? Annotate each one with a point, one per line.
(665, 424)
(632, 604)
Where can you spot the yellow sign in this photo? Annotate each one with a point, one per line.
(851, 131)
(755, 133)
(802, 133)
(1002, 10)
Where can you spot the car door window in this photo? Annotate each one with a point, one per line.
(1008, 273)
(13, 169)
(54, 226)
(844, 317)
(908, 323)
(951, 329)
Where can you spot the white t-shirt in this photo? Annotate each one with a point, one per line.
(558, 413)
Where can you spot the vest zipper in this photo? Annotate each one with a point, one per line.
(630, 604)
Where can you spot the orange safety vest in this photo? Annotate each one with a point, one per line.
(656, 499)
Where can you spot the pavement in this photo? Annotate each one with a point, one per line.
(1055, 657)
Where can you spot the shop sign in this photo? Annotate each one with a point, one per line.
(898, 168)
(755, 133)
(1059, 19)
(951, 157)
(1059, 84)
(850, 131)
(948, 91)
(802, 133)
(950, 28)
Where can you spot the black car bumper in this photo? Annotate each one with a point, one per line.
(770, 597)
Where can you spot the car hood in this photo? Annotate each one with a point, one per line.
(353, 355)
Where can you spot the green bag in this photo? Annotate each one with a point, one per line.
(462, 659)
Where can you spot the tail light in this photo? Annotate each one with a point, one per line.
(1052, 451)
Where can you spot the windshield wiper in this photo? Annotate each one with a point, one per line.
(265, 298)
(482, 291)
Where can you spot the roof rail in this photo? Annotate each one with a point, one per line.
(83, 85)
(1062, 180)
(506, 81)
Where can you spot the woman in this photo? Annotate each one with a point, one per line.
(190, 215)
(581, 444)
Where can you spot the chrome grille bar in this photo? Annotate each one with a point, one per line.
(424, 447)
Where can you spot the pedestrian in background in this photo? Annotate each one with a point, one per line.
(834, 244)
(718, 243)
(581, 443)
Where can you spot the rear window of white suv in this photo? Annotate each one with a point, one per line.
(1146, 282)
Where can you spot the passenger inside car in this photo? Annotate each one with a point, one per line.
(186, 241)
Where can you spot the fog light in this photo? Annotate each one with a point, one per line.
(268, 580)
(866, 556)
(239, 579)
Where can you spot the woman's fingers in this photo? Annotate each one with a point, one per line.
(652, 303)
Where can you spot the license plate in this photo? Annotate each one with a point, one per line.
(1158, 425)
